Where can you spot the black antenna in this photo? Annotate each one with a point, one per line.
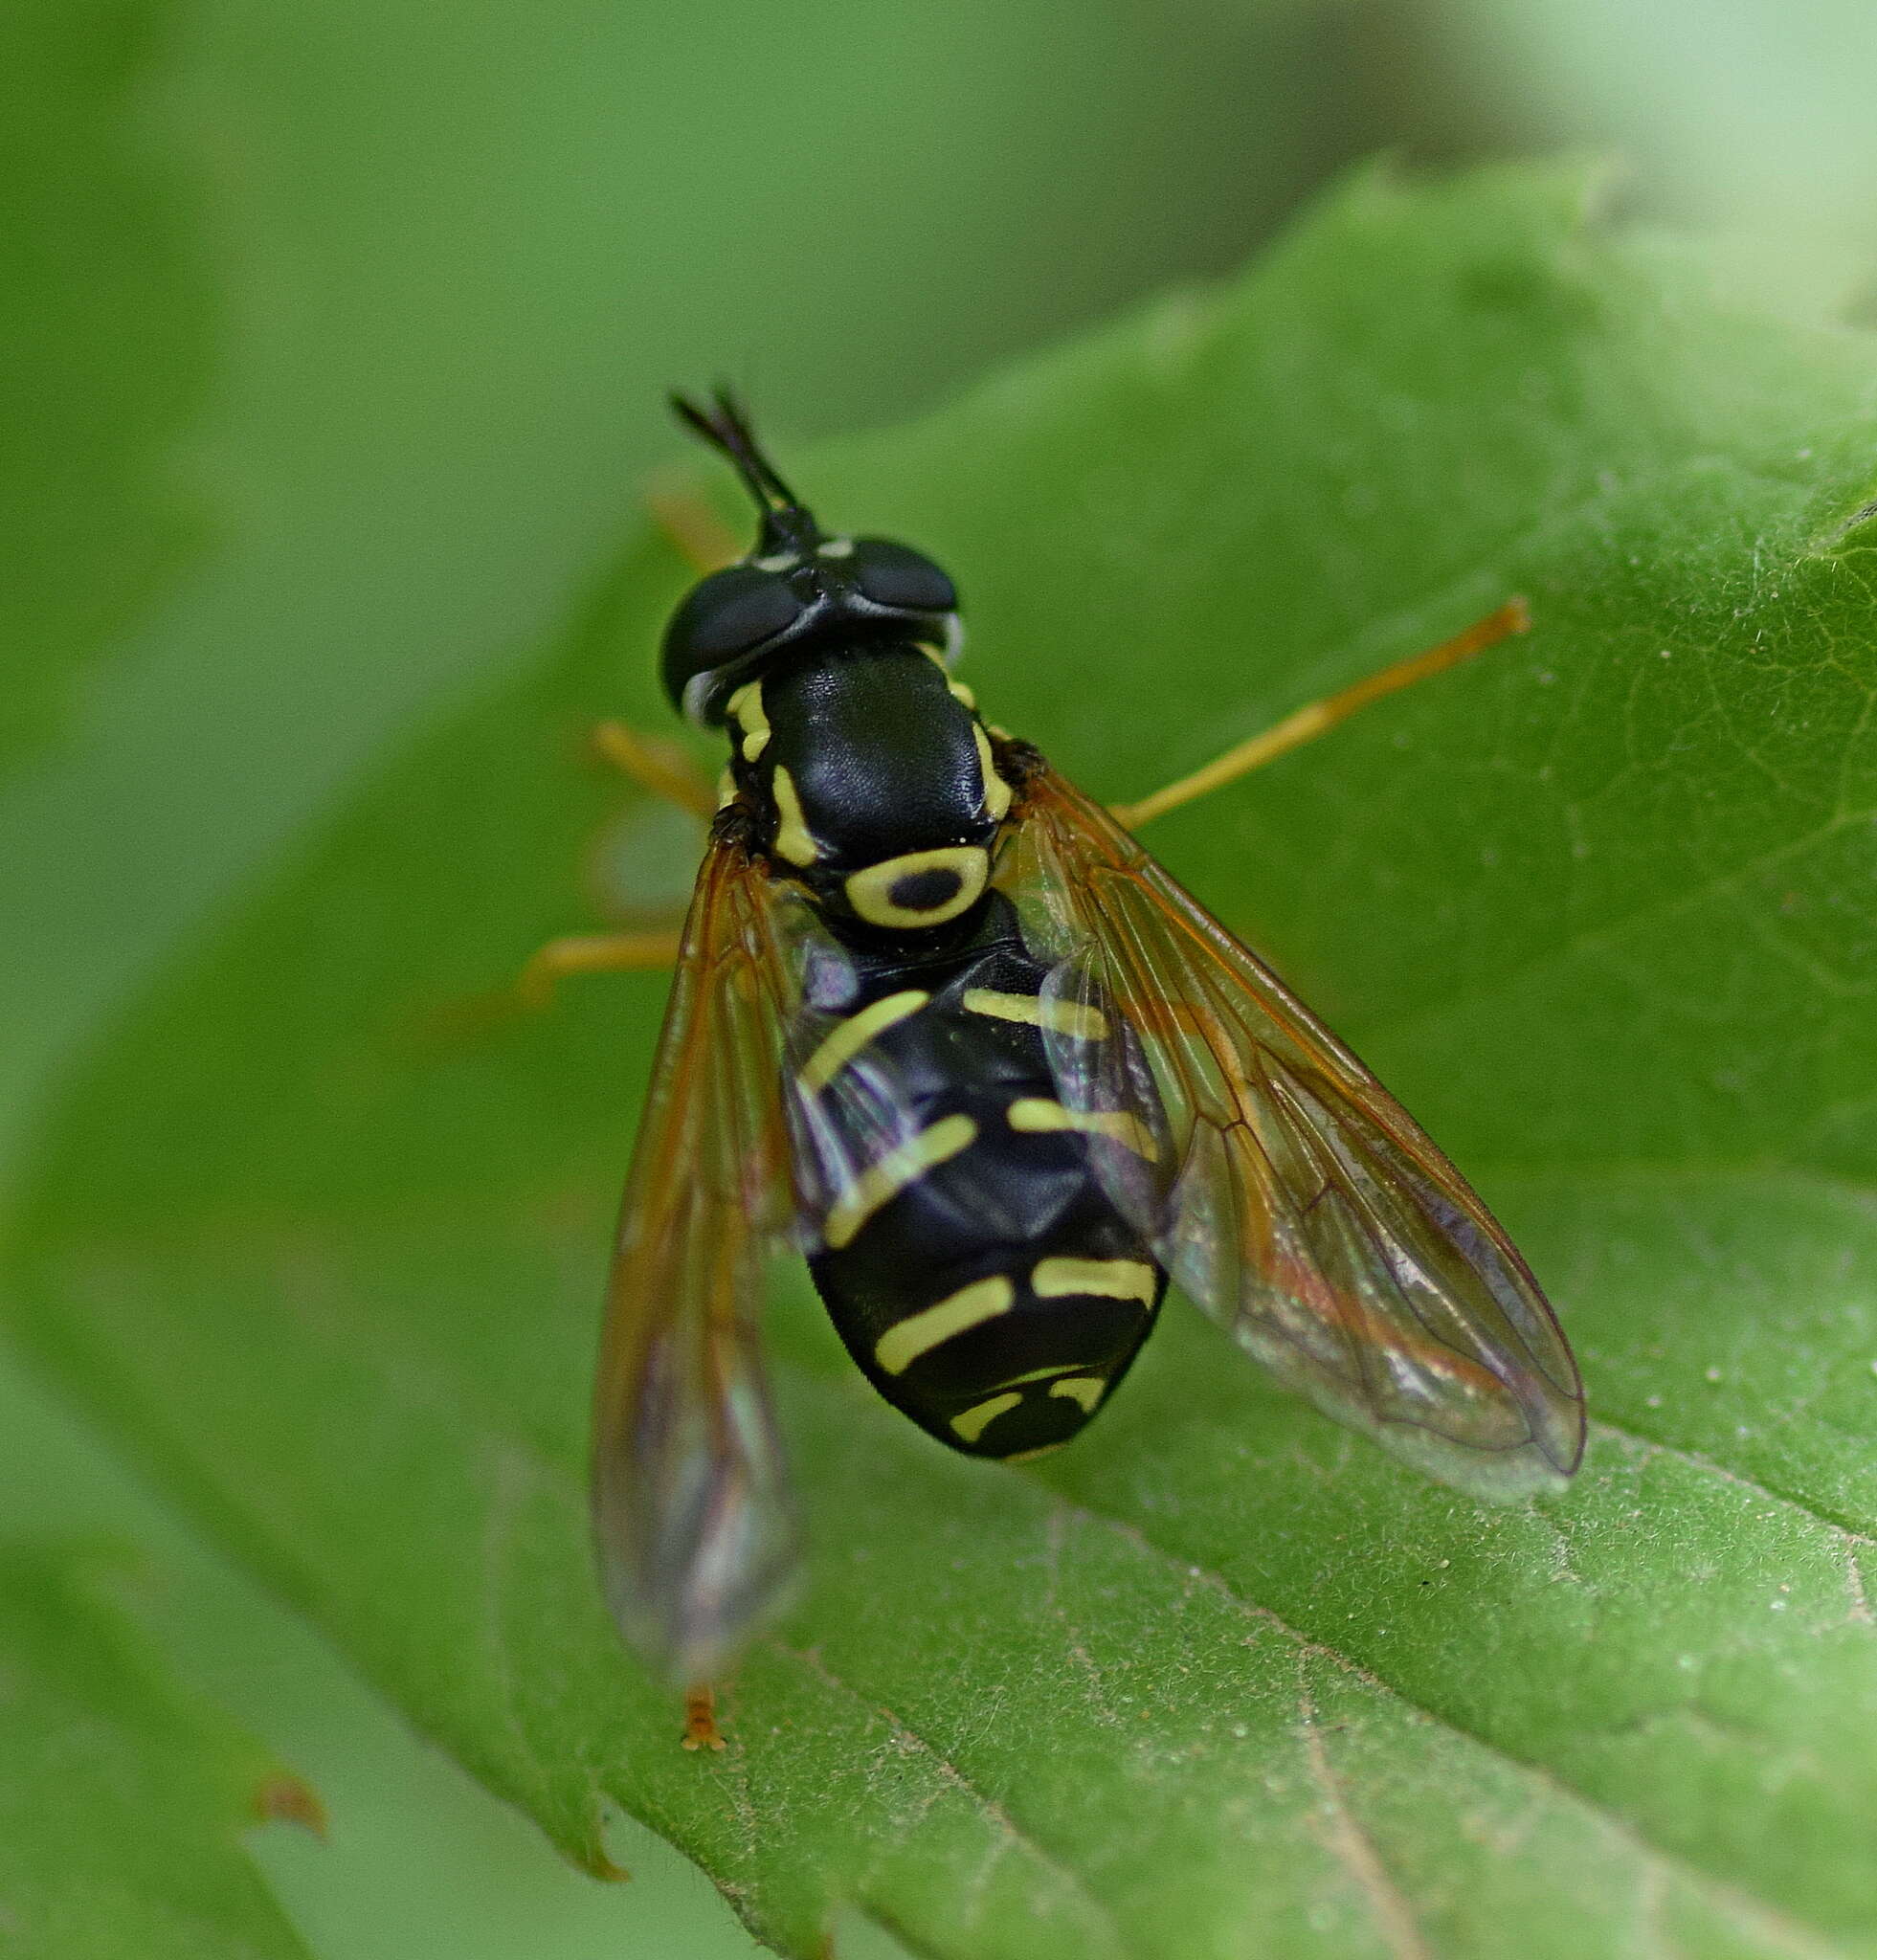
(726, 427)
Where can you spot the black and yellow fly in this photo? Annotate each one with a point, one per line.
(940, 1019)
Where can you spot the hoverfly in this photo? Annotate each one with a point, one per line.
(942, 1021)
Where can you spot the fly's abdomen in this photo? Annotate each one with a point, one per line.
(970, 1254)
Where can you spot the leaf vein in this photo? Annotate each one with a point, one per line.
(1010, 1831)
(1348, 1842)
(1847, 1534)
(1772, 1922)
(1607, 936)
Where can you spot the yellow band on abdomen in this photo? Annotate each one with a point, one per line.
(901, 1345)
(1039, 1113)
(1063, 1016)
(1111, 1278)
(880, 1182)
(845, 1041)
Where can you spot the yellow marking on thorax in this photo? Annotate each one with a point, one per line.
(1086, 1389)
(882, 1180)
(870, 891)
(997, 791)
(901, 1346)
(793, 841)
(1065, 1016)
(1035, 1113)
(974, 1422)
(746, 708)
(1108, 1279)
(727, 789)
(853, 1034)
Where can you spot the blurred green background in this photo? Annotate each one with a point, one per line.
(378, 304)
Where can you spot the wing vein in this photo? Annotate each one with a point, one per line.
(1307, 1212)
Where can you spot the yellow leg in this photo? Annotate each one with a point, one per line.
(705, 541)
(709, 543)
(592, 952)
(534, 988)
(1315, 718)
(701, 1731)
(659, 765)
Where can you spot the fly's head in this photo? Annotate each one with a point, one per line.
(798, 589)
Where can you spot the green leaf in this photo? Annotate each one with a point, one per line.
(416, 1858)
(123, 1800)
(104, 346)
(325, 1249)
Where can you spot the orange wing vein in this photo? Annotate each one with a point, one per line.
(693, 1517)
(1308, 1214)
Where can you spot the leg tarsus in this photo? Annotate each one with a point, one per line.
(1317, 717)
(591, 952)
(701, 1731)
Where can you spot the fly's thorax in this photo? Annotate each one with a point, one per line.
(874, 785)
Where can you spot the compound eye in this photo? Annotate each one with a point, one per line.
(897, 576)
(730, 613)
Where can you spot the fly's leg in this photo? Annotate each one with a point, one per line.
(655, 763)
(704, 541)
(701, 1731)
(532, 990)
(1316, 718)
(664, 769)
(591, 952)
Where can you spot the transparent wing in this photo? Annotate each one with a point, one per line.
(847, 1103)
(1310, 1216)
(693, 1515)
